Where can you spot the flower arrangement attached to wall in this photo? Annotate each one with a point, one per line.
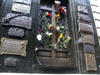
(46, 31)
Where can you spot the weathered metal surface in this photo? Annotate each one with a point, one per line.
(17, 20)
(61, 55)
(14, 47)
(59, 61)
(16, 32)
(89, 48)
(17, 7)
(90, 62)
(63, 61)
(48, 54)
(84, 17)
(87, 38)
(10, 62)
(49, 50)
(44, 53)
(45, 60)
(84, 27)
(83, 9)
(23, 1)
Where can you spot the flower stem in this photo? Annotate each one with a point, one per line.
(43, 17)
(37, 57)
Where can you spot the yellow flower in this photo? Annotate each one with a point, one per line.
(58, 40)
(61, 36)
(58, 15)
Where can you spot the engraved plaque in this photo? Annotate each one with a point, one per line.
(10, 15)
(87, 38)
(10, 62)
(90, 62)
(23, 1)
(84, 17)
(89, 48)
(20, 21)
(21, 8)
(16, 32)
(14, 47)
(83, 9)
(84, 27)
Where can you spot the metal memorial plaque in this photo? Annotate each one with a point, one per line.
(84, 27)
(23, 1)
(22, 21)
(21, 8)
(87, 38)
(10, 62)
(83, 9)
(90, 62)
(17, 19)
(89, 49)
(16, 32)
(14, 47)
(10, 15)
(84, 17)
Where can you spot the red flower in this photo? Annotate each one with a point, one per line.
(58, 34)
(41, 30)
(48, 14)
(63, 11)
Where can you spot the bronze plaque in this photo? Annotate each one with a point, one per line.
(16, 32)
(89, 49)
(14, 47)
(17, 7)
(23, 1)
(87, 38)
(84, 17)
(83, 9)
(84, 27)
(90, 62)
(10, 62)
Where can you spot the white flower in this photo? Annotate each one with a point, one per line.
(58, 28)
(57, 2)
(39, 36)
(36, 48)
(48, 34)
